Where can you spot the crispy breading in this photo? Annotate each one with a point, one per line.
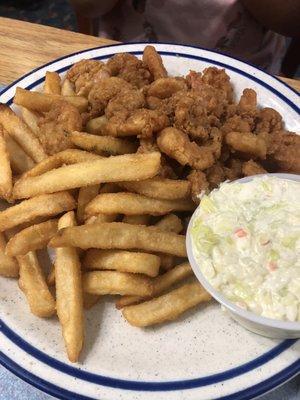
(233, 169)
(165, 87)
(102, 92)
(215, 175)
(142, 123)
(252, 168)
(154, 62)
(55, 126)
(129, 68)
(176, 144)
(268, 120)
(236, 123)
(247, 106)
(199, 184)
(247, 143)
(85, 73)
(125, 100)
(284, 149)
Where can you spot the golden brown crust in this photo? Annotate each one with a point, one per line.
(154, 63)
(129, 68)
(176, 144)
(85, 73)
(62, 119)
(252, 168)
(199, 184)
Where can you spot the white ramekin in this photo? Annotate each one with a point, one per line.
(253, 322)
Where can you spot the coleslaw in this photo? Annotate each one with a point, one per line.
(246, 240)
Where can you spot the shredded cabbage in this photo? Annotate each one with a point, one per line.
(246, 239)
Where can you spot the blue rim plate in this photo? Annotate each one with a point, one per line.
(204, 355)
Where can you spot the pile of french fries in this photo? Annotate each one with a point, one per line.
(116, 226)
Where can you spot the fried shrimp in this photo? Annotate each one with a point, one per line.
(129, 68)
(54, 127)
(176, 144)
(85, 73)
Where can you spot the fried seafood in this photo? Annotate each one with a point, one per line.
(129, 68)
(126, 100)
(284, 150)
(199, 184)
(247, 106)
(85, 73)
(252, 168)
(176, 144)
(268, 120)
(247, 143)
(163, 88)
(54, 127)
(233, 169)
(141, 123)
(154, 63)
(215, 175)
(101, 93)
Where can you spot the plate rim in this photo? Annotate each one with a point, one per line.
(236, 69)
(251, 393)
(144, 386)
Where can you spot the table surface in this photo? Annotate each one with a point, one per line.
(35, 45)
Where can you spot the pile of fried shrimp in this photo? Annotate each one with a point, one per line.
(105, 166)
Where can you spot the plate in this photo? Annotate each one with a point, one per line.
(203, 356)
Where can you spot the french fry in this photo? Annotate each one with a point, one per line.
(114, 282)
(8, 265)
(69, 298)
(19, 160)
(86, 194)
(43, 102)
(32, 238)
(9, 233)
(31, 119)
(98, 219)
(51, 276)
(167, 261)
(39, 206)
(132, 203)
(112, 169)
(110, 188)
(118, 235)
(95, 126)
(5, 171)
(67, 88)
(100, 144)
(167, 307)
(170, 223)
(52, 83)
(65, 157)
(123, 261)
(137, 219)
(33, 284)
(21, 133)
(89, 300)
(160, 188)
(161, 284)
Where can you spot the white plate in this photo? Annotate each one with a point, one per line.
(203, 356)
